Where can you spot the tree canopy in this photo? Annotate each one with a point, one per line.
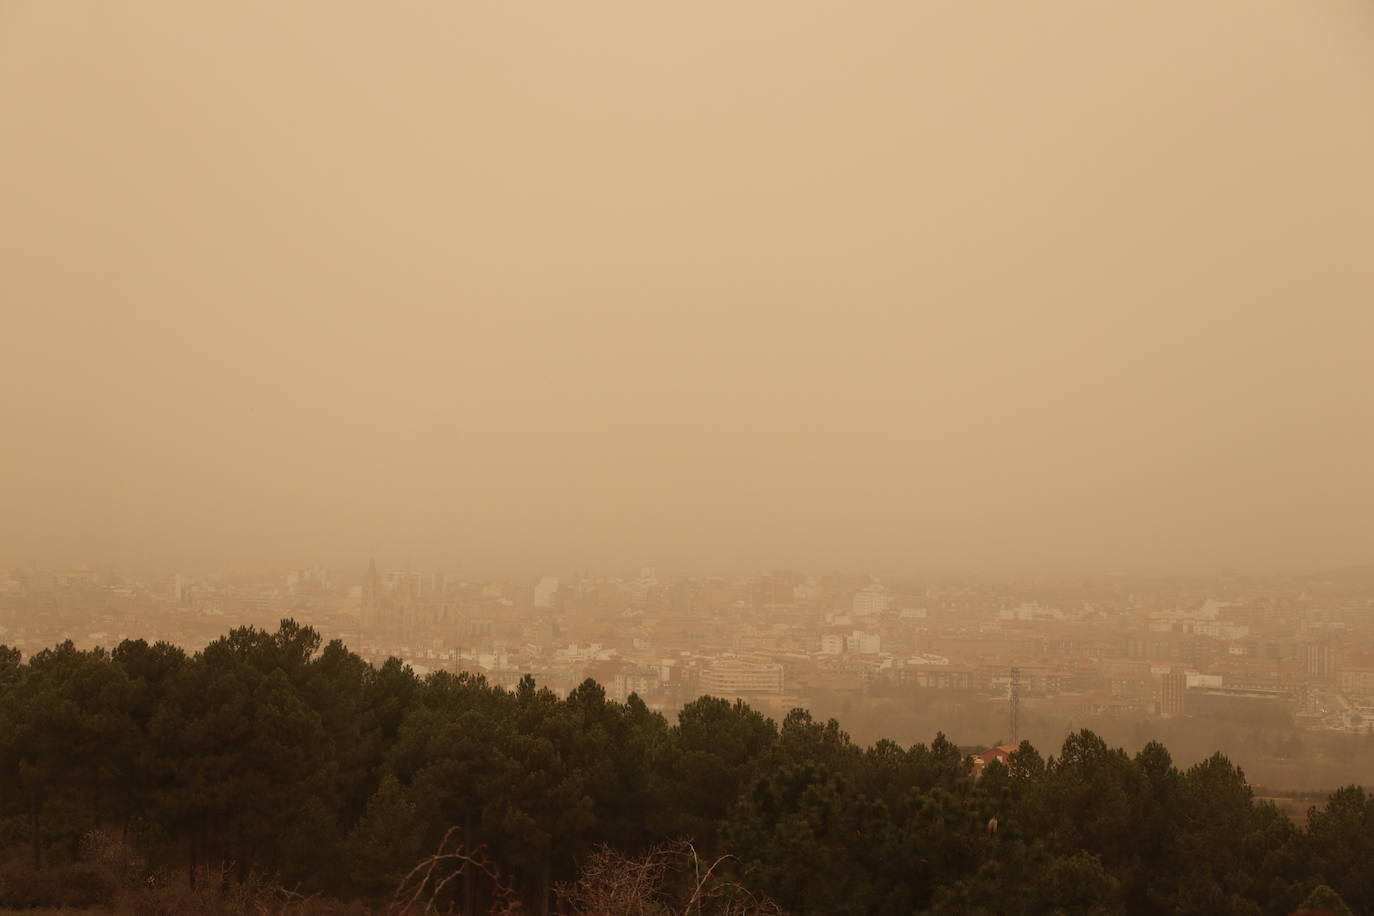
(270, 753)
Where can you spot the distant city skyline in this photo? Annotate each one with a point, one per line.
(1284, 654)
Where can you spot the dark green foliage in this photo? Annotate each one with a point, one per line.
(1323, 901)
(1341, 845)
(268, 756)
(709, 757)
(10, 659)
(1026, 879)
(384, 844)
(806, 840)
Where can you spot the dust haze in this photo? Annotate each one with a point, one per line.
(905, 286)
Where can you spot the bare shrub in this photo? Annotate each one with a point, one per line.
(669, 880)
(422, 889)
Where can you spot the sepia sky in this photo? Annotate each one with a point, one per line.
(908, 285)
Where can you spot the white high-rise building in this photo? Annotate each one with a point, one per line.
(870, 600)
(731, 678)
(864, 643)
(544, 590)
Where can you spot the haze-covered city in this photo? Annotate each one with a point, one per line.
(646, 459)
(1278, 670)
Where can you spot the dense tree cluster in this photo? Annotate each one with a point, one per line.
(267, 753)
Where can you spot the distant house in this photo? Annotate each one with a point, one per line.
(1001, 753)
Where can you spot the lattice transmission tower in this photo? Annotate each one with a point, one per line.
(1014, 704)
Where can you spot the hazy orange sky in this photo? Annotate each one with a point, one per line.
(891, 285)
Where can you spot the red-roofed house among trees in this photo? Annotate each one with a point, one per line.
(1001, 753)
